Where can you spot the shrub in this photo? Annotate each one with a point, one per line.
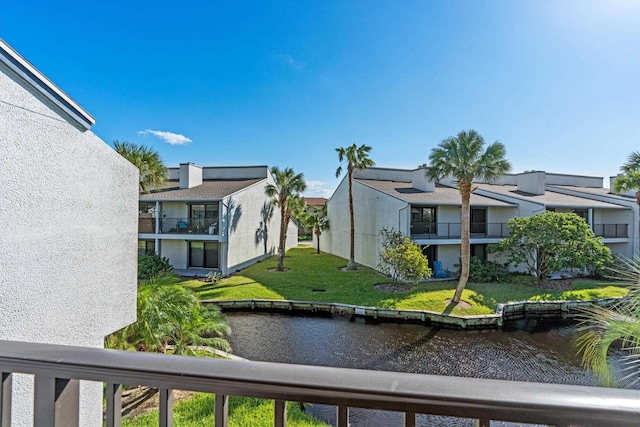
(213, 277)
(485, 271)
(150, 265)
(401, 258)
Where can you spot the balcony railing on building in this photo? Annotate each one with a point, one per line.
(451, 230)
(57, 369)
(179, 225)
(611, 231)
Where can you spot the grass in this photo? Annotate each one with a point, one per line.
(308, 271)
(243, 412)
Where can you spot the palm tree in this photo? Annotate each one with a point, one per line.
(317, 222)
(462, 157)
(153, 172)
(288, 185)
(630, 178)
(356, 158)
(601, 327)
(170, 314)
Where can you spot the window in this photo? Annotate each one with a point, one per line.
(423, 220)
(478, 220)
(203, 254)
(479, 251)
(203, 215)
(146, 247)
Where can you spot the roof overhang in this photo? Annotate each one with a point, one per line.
(23, 69)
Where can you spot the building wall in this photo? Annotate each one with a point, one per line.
(68, 207)
(372, 211)
(176, 251)
(245, 221)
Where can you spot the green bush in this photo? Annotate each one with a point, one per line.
(485, 271)
(150, 265)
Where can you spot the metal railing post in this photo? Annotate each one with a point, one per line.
(221, 410)
(166, 407)
(114, 405)
(409, 419)
(342, 419)
(56, 402)
(6, 381)
(280, 413)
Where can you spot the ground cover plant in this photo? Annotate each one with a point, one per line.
(243, 412)
(317, 277)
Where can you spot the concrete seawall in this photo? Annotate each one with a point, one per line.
(504, 312)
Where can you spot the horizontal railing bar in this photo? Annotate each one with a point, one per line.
(402, 392)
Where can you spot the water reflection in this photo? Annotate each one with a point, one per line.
(525, 351)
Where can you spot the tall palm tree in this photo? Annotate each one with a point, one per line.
(630, 178)
(317, 222)
(288, 185)
(601, 327)
(356, 158)
(462, 157)
(153, 172)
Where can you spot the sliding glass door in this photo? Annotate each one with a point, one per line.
(203, 254)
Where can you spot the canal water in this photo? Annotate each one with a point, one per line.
(524, 351)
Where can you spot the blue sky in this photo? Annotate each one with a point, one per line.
(285, 83)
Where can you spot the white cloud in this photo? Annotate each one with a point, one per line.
(318, 189)
(168, 137)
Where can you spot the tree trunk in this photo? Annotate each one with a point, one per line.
(317, 231)
(465, 248)
(352, 259)
(283, 234)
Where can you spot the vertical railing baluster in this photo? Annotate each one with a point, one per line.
(114, 405)
(5, 399)
(221, 410)
(56, 401)
(342, 419)
(409, 419)
(280, 413)
(166, 407)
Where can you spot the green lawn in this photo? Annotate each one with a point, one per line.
(309, 271)
(243, 412)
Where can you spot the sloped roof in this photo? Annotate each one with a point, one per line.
(209, 190)
(598, 192)
(315, 201)
(442, 195)
(550, 198)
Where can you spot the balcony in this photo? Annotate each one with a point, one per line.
(201, 226)
(611, 231)
(451, 230)
(57, 370)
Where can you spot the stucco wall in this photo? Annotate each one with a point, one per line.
(246, 244)
(68, 207)
(372, 211)
(176, 251)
